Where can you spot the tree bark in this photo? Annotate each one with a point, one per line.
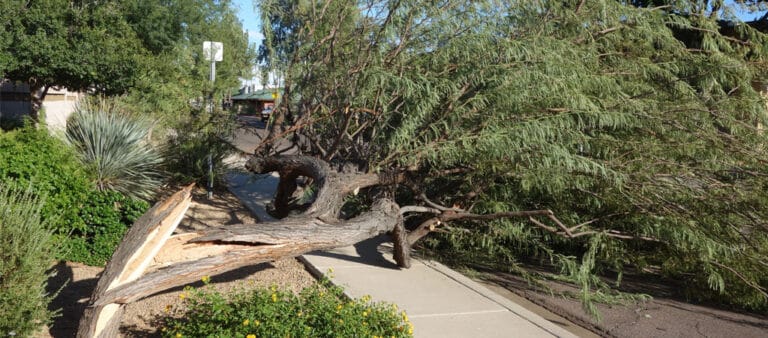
(37, 93)
(250, 244)
(177, 260)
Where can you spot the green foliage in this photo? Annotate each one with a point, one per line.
(76, 45)
(107, 216)
(27, 243)
(31, 157)
(195, 139)
(88, 224)
(176, 78)
(117, 148)
(320, 310)
(643, 126)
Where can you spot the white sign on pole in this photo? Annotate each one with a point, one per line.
(213, 51)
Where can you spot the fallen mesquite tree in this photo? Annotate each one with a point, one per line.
(150, 259)
(640, 127)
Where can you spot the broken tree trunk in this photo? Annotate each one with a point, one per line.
(131, 258)
(142, 264)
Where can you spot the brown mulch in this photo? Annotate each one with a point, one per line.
(665, 315)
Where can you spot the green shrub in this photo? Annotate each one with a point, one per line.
(321, 310)
(193, 141)
(107, 216)
(27, 246)
(31, 157)
(87, 223)
(116, 147)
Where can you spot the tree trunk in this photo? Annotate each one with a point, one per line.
(131, 258)
(149, 260)
(37, 93)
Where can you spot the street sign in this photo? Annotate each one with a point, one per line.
(213, 51)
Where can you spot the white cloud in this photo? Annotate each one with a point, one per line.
(254, 36)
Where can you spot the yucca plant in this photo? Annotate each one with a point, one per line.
(116, 147)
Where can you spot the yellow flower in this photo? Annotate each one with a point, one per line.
(366, 298)
(300, 313)
(246, 322)
(274, 298)
(256, 323)
(206, 279)
(182, 296)
(410, 328)
(365, 313)
(178, 335)
(250, 336)
(168, 308)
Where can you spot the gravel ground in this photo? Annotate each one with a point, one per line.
(666, 315)
(76, 281)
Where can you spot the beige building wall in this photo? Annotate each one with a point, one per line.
(59, 104)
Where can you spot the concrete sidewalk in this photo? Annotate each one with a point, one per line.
(439, 301)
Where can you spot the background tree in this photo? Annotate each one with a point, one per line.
(152, 49)
(78, 45)
(174, 31)
(635, 131)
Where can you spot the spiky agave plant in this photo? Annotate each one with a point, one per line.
(116, 147)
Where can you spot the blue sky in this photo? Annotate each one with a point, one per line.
(250, 19)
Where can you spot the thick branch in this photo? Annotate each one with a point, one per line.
(258, 243)
(332, 186)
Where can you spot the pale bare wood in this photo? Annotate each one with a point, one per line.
(131, 258)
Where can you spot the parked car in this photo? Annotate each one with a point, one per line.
(266, 113)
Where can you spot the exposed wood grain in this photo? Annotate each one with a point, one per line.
(131, 258)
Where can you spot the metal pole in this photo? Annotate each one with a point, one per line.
(210, 156)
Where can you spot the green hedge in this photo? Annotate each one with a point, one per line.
(107, 216)
(88, 223)
(31, 157)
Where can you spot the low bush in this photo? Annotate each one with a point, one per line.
(195, 139)
(88, 223)
(107, 216)
(320, 310)
(31, 157)
(27, 246)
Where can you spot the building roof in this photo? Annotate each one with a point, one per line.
(259, 95)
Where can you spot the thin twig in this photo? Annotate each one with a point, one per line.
(750, 283)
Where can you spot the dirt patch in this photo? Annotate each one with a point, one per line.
(77, 281)
(665, 315)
